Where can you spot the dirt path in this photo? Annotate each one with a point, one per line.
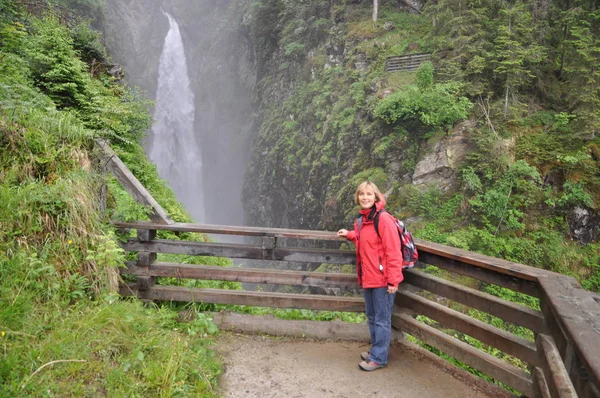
(259, 366)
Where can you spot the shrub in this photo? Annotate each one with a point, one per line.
(435, 105)
(54, 64)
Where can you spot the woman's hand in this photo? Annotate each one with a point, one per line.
(392, 289)
(342, 233)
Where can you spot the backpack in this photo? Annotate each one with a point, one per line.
(410, 254)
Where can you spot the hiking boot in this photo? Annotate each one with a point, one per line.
(364, 356)
(370, 366)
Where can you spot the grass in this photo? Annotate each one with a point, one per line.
(398, 80)
(63, 329)
(108, 348)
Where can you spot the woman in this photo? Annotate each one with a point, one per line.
(379, 270)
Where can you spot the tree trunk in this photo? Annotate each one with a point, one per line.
(564, 50)
(375, 9)
(506, 99)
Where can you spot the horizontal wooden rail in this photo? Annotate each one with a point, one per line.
(429, 252)
(509, 311)
(240, 251)
(241, 297)
(247, 275)
(406, 61)
(500, 273)
(409, 58)
(492, 366)
(487, 334)
(232, 230)
(509, 268)
(404, 64)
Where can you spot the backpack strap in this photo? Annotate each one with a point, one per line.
(359, 224)
(376, 221)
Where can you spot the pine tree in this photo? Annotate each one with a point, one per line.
(582, 68)
(465, 45)
(517, 54)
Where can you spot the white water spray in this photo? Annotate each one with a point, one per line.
(174, 148)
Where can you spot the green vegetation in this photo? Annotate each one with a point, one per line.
(433, 104)
(522, 81)
(515, 81)
(525, 78)
(63, 329)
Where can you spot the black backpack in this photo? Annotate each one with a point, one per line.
(410, 254)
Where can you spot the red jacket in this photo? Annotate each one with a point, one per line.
(372, 251)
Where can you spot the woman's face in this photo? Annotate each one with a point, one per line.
(366, 197)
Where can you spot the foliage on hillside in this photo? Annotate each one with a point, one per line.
(526, 76)
(63, 329)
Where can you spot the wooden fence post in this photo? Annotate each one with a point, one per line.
(145, 259)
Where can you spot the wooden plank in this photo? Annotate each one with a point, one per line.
(494, 275)
(519, 271)
(556, 374)
(268, 324)
(504, 341)
(234, 230)
(403, 66)
(248, 275)
(539, 384)
(406, 62)
(402, 69)
(429, 252)
(577, 316)
(507, 310)
(421, 55)
(241, 251)
(241, 297)
(132, 185)
(415, 64)
(491, 366)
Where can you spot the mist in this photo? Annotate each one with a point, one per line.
(201, 79)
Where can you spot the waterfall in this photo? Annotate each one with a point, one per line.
(173, 146)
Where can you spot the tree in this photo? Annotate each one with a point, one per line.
(581, 68)
(516, 50)
(465, 43)
(54, 63)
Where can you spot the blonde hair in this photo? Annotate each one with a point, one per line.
(362, 185)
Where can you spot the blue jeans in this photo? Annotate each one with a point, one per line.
(379, 305)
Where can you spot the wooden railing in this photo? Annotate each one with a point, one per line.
(564, 359)
(408, 63)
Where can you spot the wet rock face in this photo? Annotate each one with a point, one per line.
(134, 33)
(438, 167)
(585, 225)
